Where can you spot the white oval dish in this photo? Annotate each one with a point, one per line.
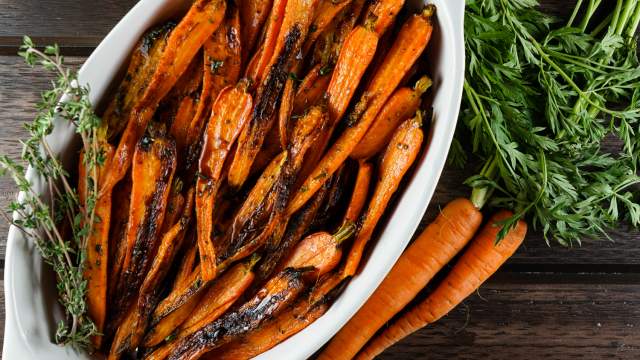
(30, 296)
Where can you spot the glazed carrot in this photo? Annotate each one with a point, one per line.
(381, 14)
(258, 64)
(182, 121)
(253, 15)
(396, 161)
(410, 43)
(222, 67)
(186, 267)
(144, 60)
(293, 31)
(304, 312)
(285, 112)
(312, 88)
(325, 14)
(269, 150)
(402, 105)
(360, 192)
(278, 293)
(193, 287)
(320, 250)
(429, 253)
(228, 116)
(117, 232)
(477, 264)
(95, 267)
(170, 323)
(202, 19)
(220, 296)
(154, 164)
(175, 205)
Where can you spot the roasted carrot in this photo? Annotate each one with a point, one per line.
(325, 14)
(270, 149)
(154, 164)
(402, 105)
(285, 112)
(258, 64)
(360, 192)
(186, 266)
(181, 122)
(228, 116)
(381, 14)
(400, 154)
(175, 205)
(220, 296)
(193, 287)
(429, 253)
(477, 264)
(222, 67)
(95, 267)
(142, 65)
(278, 293)
(410, 43)
(304, 312)
(293, 31)
(118, 232)
(253, 15)
(312, 88)
(202, 19)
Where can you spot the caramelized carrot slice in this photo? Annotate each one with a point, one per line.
(312, 88)
(285, 112)
(381, 15)
(253, 15)
(258, 64)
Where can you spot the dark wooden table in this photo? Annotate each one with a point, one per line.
(547, 302)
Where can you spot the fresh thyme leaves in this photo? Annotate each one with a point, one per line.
(59, 224)
(539, 99)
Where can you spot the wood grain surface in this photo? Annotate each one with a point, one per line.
(548, 302)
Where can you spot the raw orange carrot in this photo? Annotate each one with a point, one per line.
(381, 14)
(228, 116)
(477, 264)
(360, 192)
(253, 15)
(396, 161)
(220, 296)
(312, 88)
(258, 64)
(202, 19)
(402, 105)
(431, 251)
(409, 44)
(95, 267)
(285, 112)
(222, 67)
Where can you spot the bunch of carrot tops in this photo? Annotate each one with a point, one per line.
(539, 101)
(244, 150)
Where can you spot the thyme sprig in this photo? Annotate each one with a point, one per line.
(59, 224)
(539, 101)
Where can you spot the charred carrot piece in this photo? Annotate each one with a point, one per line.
(222, 67)
(253, 15)
(270, 149)
(400, 154)
(410, 43)
(325, 14)
(202, 19)
(258, 64)
(220, 296)
(381, 14)
(279, 293)
(312, 88)
(117, 232)
(130, 332)
(482, 259)
(175, 206)
(180, 125)
(360, 192)
(154, 164)
(304, 312)
(144, 59)
(293, 31)
(402, 105)
(285, 112)
(228, 116)
(95, 267)
(186, 266)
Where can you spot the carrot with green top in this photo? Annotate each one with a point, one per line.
(409, 44)
(402, 105)
(479, 261)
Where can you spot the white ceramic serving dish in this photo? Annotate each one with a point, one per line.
(30, 296)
